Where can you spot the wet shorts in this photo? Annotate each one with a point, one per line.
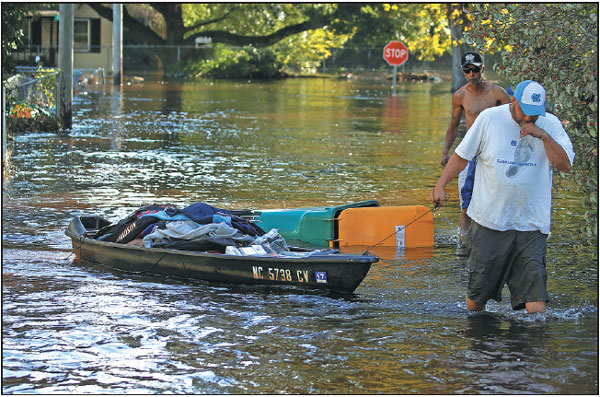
(512, 257)
(466, 187)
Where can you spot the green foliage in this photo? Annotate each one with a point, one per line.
(301, 34)
(46, 86)
(249, 19)
(232, 63)
(423, 27)
(12, 31)
(370, 25)
(555, 44)
(430, 37)
(305, 52)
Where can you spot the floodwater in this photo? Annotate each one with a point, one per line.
(68, 327)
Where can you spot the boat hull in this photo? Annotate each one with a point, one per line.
(335, 272)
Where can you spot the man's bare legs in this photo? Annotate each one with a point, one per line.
(531, 307)
(535, 307)
(473, 306)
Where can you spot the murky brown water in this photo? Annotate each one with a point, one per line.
(83, 329)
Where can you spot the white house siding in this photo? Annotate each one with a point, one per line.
(44, 40)
(93, 60)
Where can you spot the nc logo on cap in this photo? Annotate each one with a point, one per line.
(469, 57)
(531, 97)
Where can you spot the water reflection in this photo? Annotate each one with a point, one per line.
(502, 350)
(393, 114)
(118, 128)
(393, 253)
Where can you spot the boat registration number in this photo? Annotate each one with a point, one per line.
(276, 274)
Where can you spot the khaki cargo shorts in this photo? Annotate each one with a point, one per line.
(512, 257)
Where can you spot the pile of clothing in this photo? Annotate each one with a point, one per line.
(198, 227)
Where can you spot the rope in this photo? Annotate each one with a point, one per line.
(75, 249)
(432, 210)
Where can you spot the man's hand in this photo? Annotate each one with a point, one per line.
(556, 154)
(438, 194)
(445, 158)
(528, 128)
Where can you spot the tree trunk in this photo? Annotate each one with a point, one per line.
(174, 31)
(458, 78)
(457, 29)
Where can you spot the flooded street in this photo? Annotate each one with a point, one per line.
(69, 327)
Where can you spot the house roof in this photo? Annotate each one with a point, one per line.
(47, 13)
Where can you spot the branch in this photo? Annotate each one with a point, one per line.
(161, 8)
(220, 36)
(148, 35)
(205, 23)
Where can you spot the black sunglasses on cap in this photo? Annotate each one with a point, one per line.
(474, 69)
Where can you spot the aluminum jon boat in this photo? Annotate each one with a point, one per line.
(335, 272)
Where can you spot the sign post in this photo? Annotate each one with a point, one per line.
(395, 54)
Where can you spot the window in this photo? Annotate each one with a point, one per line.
(35, 32)
(95, 39)
(27, 30)
(81, 35)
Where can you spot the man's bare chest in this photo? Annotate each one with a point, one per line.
(476, 105)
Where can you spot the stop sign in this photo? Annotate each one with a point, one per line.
(395, 53)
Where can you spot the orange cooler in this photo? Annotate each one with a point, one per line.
(370, 225)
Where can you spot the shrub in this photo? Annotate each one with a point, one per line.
(555, 44)
(245, 63)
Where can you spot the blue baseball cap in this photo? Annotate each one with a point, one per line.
(531, 97)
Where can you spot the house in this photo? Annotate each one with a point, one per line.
(92, 39)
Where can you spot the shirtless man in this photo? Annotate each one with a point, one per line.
(472, 98)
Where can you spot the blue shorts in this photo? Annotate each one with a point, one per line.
(466, 191)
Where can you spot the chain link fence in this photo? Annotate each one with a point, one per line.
(31, 100)
(146, 58)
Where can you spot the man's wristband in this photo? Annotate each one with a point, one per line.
(544, 135)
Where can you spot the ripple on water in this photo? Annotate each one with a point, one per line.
(76, 328)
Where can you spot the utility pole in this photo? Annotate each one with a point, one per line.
(117, 44)
(65, 63)
(4, 132)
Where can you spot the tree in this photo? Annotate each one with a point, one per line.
(429, 30)
(259, 25)
(12, 31)
(555, 44)
(459, 22)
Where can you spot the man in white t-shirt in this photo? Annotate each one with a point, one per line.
(512, 196)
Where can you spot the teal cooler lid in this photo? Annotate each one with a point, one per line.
(312, 226)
